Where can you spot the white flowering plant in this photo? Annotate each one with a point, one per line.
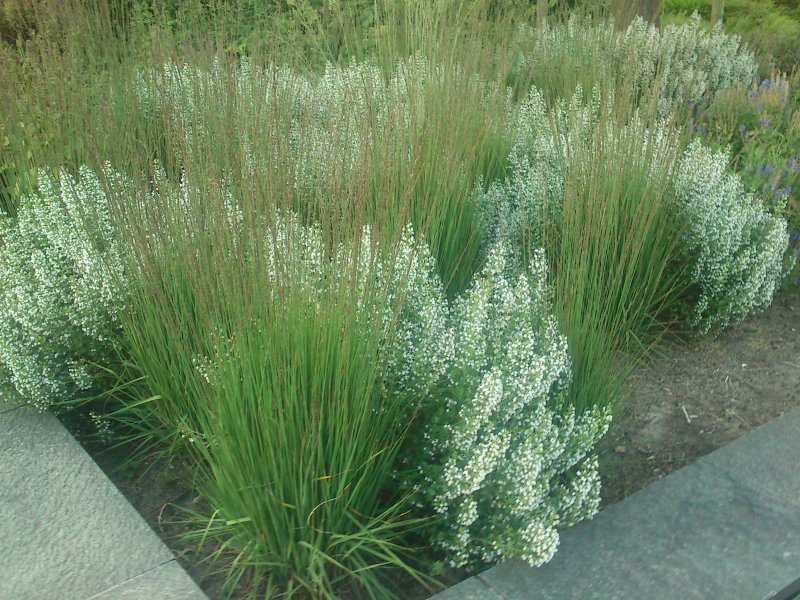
(62, 288)
(683, 64)
(504, 463)
(729, 249)
(734, 248)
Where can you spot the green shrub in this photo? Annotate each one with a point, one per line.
(734, 247)
(504, 462)
(682, 65)
(62, 288)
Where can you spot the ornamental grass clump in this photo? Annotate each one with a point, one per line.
(590, 187)
(505, 462)
(279, 360)
(62, 288)
(441, 128)
(733, 246)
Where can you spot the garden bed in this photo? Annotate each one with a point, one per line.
(692, 399)
(364, 307)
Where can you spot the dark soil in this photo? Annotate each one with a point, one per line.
(692, 399)
(696, 397)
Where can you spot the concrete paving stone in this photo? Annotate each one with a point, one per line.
(65, 530)
(767, 458)
(696, 534)
(469, 589)
(166, 582)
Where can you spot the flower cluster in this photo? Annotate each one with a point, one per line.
(733, 246)
(505, 464)
(62, 287)
(420, 345)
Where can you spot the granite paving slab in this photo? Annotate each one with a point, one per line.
(66, 531)
(6, 405)
(768, 461)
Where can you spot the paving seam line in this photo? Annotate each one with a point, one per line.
(121, 583)
(11, 408)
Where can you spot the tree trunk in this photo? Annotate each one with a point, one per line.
(541, 11)
(650, 11)
(717, 7)
(624, 11)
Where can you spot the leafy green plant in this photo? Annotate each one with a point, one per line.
(676, 68)
(762, 127)
(503, 461)
(770, 28)
(734, 247)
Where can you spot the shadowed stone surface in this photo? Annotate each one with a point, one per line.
(66, 531)
(768, 461)
(167, 582)
(727, 526)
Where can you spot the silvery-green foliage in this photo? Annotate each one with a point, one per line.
(549, 142)
(413, 315)
(733, 246)
(515, 206)
(683, 63)
(693, 63)
(330, 120)
(62, 287)
(506, 464)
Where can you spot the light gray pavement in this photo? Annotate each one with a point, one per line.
(725, 527)
(65, 531)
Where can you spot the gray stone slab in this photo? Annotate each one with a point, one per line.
(696, 534)
(65, 530)
(166, 582)
(767, 458)
(469, 589)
